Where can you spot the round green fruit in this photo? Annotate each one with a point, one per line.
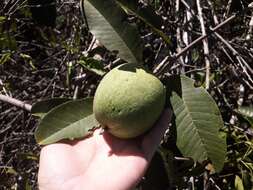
(128, 101)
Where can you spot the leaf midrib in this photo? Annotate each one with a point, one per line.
(195, 127)
(64, 128)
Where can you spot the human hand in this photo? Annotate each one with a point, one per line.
(100, 162)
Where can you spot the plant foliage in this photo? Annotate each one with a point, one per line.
(69, 120)
(198, 121)
(110, 26)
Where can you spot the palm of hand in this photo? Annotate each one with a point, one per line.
(99, 162)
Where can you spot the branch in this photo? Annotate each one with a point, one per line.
(250, 31)
(228, 7)
(2, 86)
(15, 102)
(240, 60)
(215, 18)
(179, 40)
(162, 66)
(205, 44)
(187, 35)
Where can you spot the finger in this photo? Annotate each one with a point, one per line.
(152, 140)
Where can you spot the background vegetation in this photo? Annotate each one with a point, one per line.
(43, 52)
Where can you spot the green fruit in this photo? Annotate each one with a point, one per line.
(128, 101)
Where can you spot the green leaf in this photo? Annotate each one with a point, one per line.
(70, 67)
(8, 41)
(28, 59)
(27, 156)
(247, 113)
(2, 19)
(198, 121)
(92, 65)
(27, 185)
(71, 120)
(5, 57)
(238, 183)
(9, 170)
(108, 23)
(147, 15)
(42, 107)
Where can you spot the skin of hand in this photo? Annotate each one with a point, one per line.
(101, 162)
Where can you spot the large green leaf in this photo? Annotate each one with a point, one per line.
(42, 107)
(147, 15)
(198, 121)
(70, 120)
(108, 23)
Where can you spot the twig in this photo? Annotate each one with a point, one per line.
(250, 31)
(188, 8)
(2, 85)
(158, 51)
(179, 41)
(227, 9)
(162, 63)
(76, 91)
(12, 7)
(205, 180)
(205, 44)
(192, 183)
(213, 182)
(241, 95)
(80, 77)
(228, 56)
(240, 60)
(55, 75)
(16, 102)
(215, 18)
(162, 66)
(195, 42)
(194, 70)
(187, 38)
(50, 84)
(9, 125)
(93, 44)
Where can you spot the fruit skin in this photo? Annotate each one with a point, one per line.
(128, 101)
